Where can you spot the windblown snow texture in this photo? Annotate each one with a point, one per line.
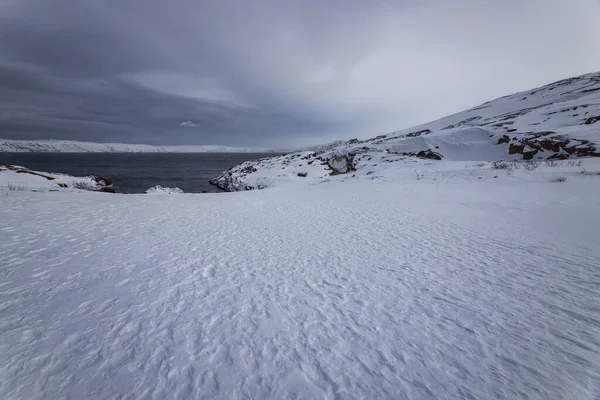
(442, 287)
(366, 271)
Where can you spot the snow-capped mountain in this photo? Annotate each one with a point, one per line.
(68, 146)
(557, 121)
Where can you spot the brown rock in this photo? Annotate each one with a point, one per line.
(561, 156)
(106, 182)
(504, 139)
(516, 148)
(430, 155)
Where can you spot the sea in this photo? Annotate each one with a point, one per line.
(137, 172)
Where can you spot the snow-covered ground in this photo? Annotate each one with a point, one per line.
(69, 146)
(560, 120)
(20, 179)
(163, 190)
(425, 282)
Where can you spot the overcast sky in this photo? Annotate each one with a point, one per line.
(274, 72)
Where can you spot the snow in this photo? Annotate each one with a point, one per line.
(447, 286)
(163, 190)
(567, 110)
(557, 107)
(68, 146)
(11, 180)
(362, 271)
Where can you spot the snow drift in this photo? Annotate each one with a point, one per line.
(163, 190)
(21, 179)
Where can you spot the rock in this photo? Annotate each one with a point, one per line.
(340, 164)
(103, 181)
(430, 155)
(528, 155)
(561, 156)
(425, 154)
(303, 174)
(515, 148)
(104, 185)
(504, 139)
(530, 144)
(419, 133)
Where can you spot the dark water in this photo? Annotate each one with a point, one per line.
(136, 172)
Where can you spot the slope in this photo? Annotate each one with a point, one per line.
(556, 121)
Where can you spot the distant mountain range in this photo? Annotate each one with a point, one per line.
(68, 146)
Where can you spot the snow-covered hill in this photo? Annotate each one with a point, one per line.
(68, 146)
(14, 178)
(416, 273)
(557, 121)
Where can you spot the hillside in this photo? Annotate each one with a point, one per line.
(68, 146)
(557, 121)
(423, 269)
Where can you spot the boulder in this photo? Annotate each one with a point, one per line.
(104, 185)
(516, 148)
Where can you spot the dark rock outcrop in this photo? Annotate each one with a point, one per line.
(104, 185)
(340, 164)
(419, 133)
(504, 139)
(514, 148)
(424, 154)
(559, 147)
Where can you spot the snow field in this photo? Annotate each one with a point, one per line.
(387, 288)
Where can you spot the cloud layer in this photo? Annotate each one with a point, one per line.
(273, 72)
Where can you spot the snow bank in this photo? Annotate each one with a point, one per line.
(163, 190)
(21, 179)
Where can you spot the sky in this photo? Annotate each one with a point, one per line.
(274, 73)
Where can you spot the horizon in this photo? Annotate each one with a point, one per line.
(225, 74)
(297, 147)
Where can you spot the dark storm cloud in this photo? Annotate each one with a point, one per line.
(273, 72)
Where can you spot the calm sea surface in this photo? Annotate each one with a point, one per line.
(136, 172)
